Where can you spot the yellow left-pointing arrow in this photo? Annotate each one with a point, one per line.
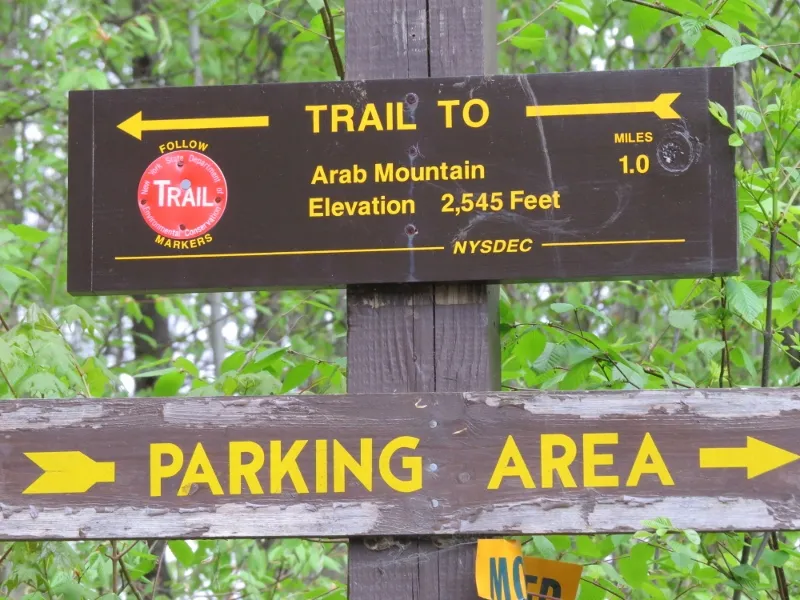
(137, 124)
(69, 472)
(757, 457)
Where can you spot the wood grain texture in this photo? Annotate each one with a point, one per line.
(460, 439)
(421, 337)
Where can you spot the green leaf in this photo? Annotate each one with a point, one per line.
(710, 348)
(145, 28)
(168, 385)
(312, 33)
(746, 572)
(759, 286)
(233, 361)
(775, 558)
(544, 546)
(561, 307)
(576, 14)
(229, 385)
(23, 273)
(742, 300)
(642, 22)
(681, 319)
(658, 523)
(692, 536)
(144, 565)
(97, 79)
(561, 543)
(719, 113)
(97, 376)
(635, 567)
(741, 358)
(71, 590)
(739, 54)
(686, 7)
(749, 114)
(682, 559)
(587, 591)
(73, 313)
(42, 385)
(790, 295)
(577, 375)
(8, 281)
(155, 372)
(684, 290)
(735, 140)
(28, 234)
(264, 359)
(6, 354)
(509, 25)
(256, 12)
(316, 5)
(586, 547)
(748, 225)
(731, 34)
(692, 30)
(530, 346)
(298, 375)
(187, 366)
(182, 551)
(527, 43)
(530, 38)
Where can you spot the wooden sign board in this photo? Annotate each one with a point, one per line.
(503, 178)
(406, 464)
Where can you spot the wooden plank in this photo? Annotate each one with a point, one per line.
(461, 437)
(641, 192)
(446, 336)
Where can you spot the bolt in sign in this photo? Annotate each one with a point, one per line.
(182, 194)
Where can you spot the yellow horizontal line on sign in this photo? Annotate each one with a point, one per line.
(613, 242)
(281, 253)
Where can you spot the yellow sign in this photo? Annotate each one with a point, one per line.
(68, 473)
(661, 106)
(136, 124)
(757, 457)
(502, 573)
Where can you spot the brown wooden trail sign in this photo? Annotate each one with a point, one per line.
(484, 178)
(402, 464)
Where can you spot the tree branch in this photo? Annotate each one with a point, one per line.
(327, 20)
(676, 13)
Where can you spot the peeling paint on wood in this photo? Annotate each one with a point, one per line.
(460, 435)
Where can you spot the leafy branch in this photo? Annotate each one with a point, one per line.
(712, 29)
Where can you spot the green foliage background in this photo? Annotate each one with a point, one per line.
(736, 331)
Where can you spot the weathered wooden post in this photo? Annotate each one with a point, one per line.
(426, 337)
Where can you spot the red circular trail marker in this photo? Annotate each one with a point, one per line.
(182, 194)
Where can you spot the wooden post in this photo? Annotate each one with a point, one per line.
(421, 337)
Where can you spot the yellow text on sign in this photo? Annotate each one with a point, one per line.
(275, 467)
(558, 452)
(502, 573)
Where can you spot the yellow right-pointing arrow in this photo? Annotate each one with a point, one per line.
(68, 473)
(757, 457)
(661, 106)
